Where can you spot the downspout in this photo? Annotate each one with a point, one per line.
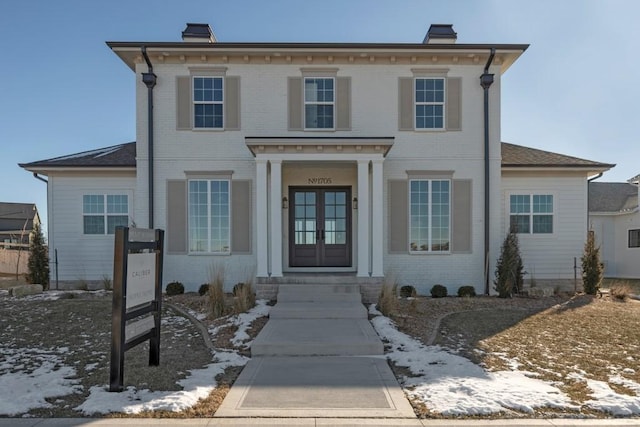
(486, 80)
(149, 79)
(588, 182)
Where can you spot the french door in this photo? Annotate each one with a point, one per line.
(320, 227)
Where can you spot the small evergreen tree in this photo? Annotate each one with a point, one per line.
(509, 276)
(38, 263)
(592, 268)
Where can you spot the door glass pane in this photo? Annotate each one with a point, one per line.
(305, 218)
(335, 211)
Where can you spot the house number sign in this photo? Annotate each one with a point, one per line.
(319, 180)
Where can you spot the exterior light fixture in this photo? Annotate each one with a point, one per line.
(285, 203)
(355, 203)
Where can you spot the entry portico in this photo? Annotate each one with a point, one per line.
(286, 173)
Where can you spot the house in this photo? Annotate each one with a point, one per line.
(614, 216)
(347, 160)
(17, 221)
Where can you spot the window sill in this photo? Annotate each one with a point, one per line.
(209, 253)
(429, 253)
(208, 129)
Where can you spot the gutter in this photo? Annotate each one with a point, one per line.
(486, 80)
(149, 79)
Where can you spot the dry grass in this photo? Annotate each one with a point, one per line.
(245, 298)
(621, 291)
(217, 305)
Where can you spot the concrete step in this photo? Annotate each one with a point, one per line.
(317, 337)
(319, 293)
(318, 310)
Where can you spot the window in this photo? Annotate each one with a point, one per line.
(319, 101)
(208, 102)
(98, 220)
(531, 213)
(634, 238)
(429, 96)
(209, 215)
(430, 215)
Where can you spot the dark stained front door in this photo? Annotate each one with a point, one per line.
(320, 227)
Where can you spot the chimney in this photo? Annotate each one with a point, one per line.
(440, 34)
(198, 33)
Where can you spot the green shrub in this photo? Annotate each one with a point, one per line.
(203, 289)
(509, 275)
(466, 291)
(175, 288)
(438, 291)
(408, 291)
(38, 263)
(592, 268)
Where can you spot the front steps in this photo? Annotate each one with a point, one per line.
(369, 287)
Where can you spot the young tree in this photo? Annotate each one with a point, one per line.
(592, 268)
(38, 259)
(509, 276)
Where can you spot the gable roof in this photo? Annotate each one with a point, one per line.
(517, 156)
(612, 197)
(19, 211)
(121, 155)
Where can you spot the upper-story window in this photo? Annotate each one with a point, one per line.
(208, 102)
(319, 103)
(429, 98)
(101, 213)
(531, 213)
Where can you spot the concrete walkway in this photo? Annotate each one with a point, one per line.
(318, 356)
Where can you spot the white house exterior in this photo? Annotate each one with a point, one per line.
(614, 217)
(283, 159)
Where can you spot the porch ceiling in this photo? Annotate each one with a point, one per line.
(319, 145)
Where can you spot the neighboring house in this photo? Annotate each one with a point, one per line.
(356, 159)
(17, 221)
(614, 216)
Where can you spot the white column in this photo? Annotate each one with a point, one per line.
(363, 218)
(276, 218)
(377, 209)
(261, 219)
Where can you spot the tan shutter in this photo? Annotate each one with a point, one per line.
(398, 217)
(405, 103)
(184, 106)
(177, 217)
(454, 103)
(295, 103)
(461, 216)
(232, 103)
(343, 103)
(241, 217)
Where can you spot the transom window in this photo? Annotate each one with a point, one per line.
(634, 238)
(429, 98)
(209, 215)
(531, 213)
(430, 215)
(208, 96)
(102, 213)
(319, 102)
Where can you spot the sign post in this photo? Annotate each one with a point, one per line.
(137, 297)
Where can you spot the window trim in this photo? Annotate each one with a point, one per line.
(637, 238)
(430, 181)
(531, 214)
(305, 102)
(209, 180)
(416, 103)
(194, 102)
(105, 214)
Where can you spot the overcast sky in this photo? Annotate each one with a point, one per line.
(574, 91)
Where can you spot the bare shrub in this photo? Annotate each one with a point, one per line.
(620, 291)
(388, 299)
(215, 295)
(245, 298)
(107, 283)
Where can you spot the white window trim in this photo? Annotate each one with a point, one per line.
(105, 215)
(429, 204)
(531, 214)
(305, 103)
(443, 103)
(208, 251)
(194, 103)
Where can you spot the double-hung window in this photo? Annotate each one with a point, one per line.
(634, 238)
(208, 99)
(430, 213)
(209, 216)
(319, 102)
(102, 213)
(531, 213)
(429, 99)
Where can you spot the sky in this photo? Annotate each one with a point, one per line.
(62, 90)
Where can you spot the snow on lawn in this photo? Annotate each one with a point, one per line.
(453, 385)
(243, 322)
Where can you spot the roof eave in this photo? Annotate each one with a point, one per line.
(592, 169)
(46, 170)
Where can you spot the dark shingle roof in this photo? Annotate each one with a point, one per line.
(122, 155)
(612, 197)
(519, 156)
(20, 211)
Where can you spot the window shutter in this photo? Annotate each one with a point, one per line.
(177, 217)
(405, 103)
(184, 107)
(343, 103)
(461, 216)
(398, 217)
(295, 103)
(241, 217)
(454, 103)
(232, 103)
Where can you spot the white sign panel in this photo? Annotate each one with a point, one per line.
(141, 279)
(138, 327)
